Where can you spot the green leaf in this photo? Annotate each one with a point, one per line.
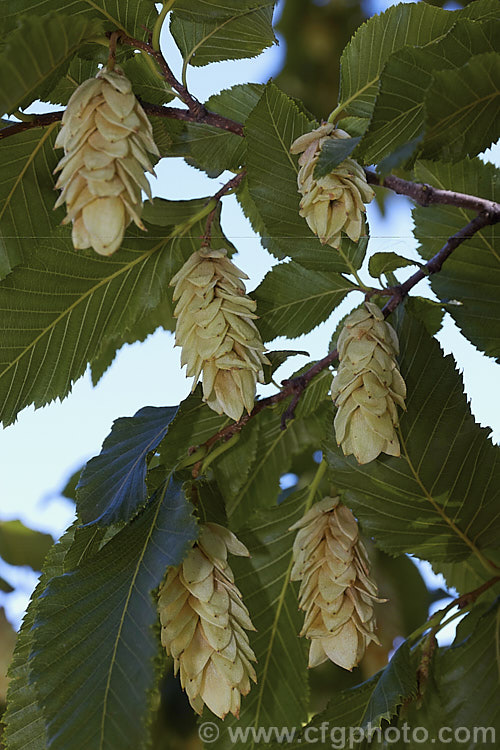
(112, 486)
(162, 213)
(82, 299)
(429, 313)
(214, 149)
(463, 124)
(356, 712)
(35, 56)
(147, 80)
(397, 682)
(400, 155)
(251, 212)
(158, 317)
(472, 661)
(24, 719)
(471, 276)
(381, 263)
(194, 423)
(168, 135)
(280, 696)
(463, 689)
(398, 121)
(347, 711)
(277, 358)
(244, 34)
(5, 586)
(232, 469)
(363, 60)
(332, 153)
(69, 489)
(87, 542)
(469, 574)
(408, 599)
(20, 545)
(438, 500)
(79, 71)
(105, 616)
(291, 300)
(256, 471)
(270, 130)
(200, 9)
(133, 16)
(27, 194)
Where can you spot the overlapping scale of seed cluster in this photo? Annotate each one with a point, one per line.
(106, 136)
(216, 330)
(334, 203)
(368, 386)
(336, 591)
(204, 623)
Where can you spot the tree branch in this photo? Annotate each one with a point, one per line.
(231, 185)
(426, 195)
(296, 386)
(293, 387)
(155, 110)
(38, 121)
(436, 262)
(196, 111)
(461, 602)
(208, 118)
(422, 193)
(195, 107)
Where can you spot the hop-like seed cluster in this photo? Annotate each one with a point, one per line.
(368, 385)
(336, 591)
(204, 623)
(106, 135)
(334, 203)
(216, 330)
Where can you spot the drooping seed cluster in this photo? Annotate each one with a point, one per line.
(334, 203)
(106, 135)
(336, 591)
(368, 386)
(204, 624)
(216, 330)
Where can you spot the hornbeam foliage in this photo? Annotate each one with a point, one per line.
(370, 454)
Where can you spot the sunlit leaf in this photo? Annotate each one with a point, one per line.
(270, 130)
(463, 124)
(36, 55)
(398, 122)
(27, 194)
(412, 24)
(244, 34)
(292, 300)
(132, 16)
(58, 308)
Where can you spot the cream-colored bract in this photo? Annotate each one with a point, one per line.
(204, 623)
(334, 203)
(336, 591)
(106, 136)
(368, 386)
(215, 328)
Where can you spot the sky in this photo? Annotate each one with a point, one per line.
(45, 446)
